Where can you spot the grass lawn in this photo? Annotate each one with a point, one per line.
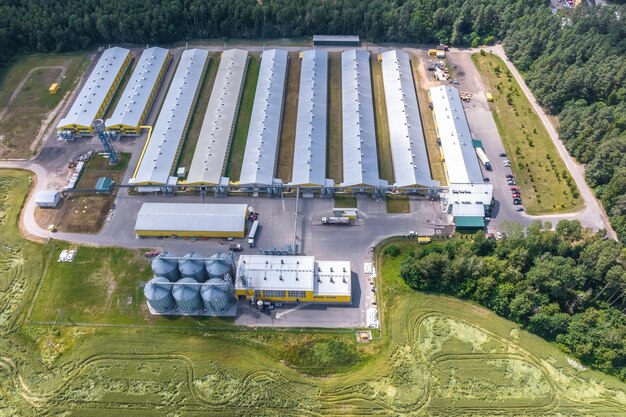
(290, 112)
(383, 144)
(334, 166)
(545, 182)
(345, 201)
(24, 110)
(398, 204)
(235, 159)
(189, 146)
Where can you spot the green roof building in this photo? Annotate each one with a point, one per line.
(104, 185)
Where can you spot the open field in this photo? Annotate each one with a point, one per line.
(545, 182)
(398, 204)
(334, 162)
(189, 146)
(287, 140)
(235, 159)
(25, 101)
(383, 144)
(435, 160)
(438, 355)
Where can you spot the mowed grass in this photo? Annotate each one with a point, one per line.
(545, 182)
(235, 159)
(290, 114)
(344, 201)
(334, 166)
(22, 116)
(398, 204)
(383, 144)
(435, 161)
(193, 134)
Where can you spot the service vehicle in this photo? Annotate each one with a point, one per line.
(335, 220)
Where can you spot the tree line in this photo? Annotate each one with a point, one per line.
(567, 285)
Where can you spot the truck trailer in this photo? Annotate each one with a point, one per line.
(483, 158)
(335, 220)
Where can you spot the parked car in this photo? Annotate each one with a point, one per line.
(506, 163)
(517, 201)
(519, 208)
(514, 188)
(503, 154)
(486, 179)
(498, 235)
(511, 182)
(509, 176)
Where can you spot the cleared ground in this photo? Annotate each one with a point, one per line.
(546, 185)
(290, 114)
(238, 147)
(25, 102)
(334, 166)
(383, 145)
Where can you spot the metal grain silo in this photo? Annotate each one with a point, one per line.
(187, 296)
(219, 265)
(159, 297)
(167, 268)
(192, 266)
(216, 295)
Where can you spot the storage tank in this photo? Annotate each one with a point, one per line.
(192, 266)
(159, 297)
(165, 267)
(187, 296)
(216, 297)
(219, 265)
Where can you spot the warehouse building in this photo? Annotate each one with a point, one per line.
(165, 141)
(293, 279)
(259, 160)
(47, 199)
(309, 160)
(211, 154)
(135, 103)
(96, 94)
(191, 220)
(335, 40)
(360, 160)
(468, 199)
(408, 146)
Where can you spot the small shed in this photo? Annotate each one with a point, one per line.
(47, 199)
(54, 88)
(104, 185)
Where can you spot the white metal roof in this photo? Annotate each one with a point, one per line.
(137, 93)
(170, 128)
(259, 159)
(209, 159)
(408, 149)
(187, 217)
(309, 160)
(271, 272)
(360, 161)
(46, 196)
(88, 102)
(335, 38)
(455, 136)
(332, 278)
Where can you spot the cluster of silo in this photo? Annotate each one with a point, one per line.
(159, 296)
(217, 295)
(163, 266)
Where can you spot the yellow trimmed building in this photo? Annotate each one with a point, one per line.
(293, 279)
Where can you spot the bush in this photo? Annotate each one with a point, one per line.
(392, 250)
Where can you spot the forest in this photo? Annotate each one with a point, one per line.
(566, 284)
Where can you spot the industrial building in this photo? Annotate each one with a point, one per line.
(406, 135)
(136, 100)
(360, 160)
(165, 141)
(259, 161)
(468, 199)
(96, 94)
(191, 220)
(211, 153)
(47, 199)
(293, 279)
(335, 40)
(309, 159)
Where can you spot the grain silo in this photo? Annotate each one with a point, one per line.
(218, 265)
(217, 295)
(159, 296)
(163, 267)
(187, 295)
(192, 266)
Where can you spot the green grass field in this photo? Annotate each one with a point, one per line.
(383, 144)
(398, 204)
(25, 101)
(545, 182)
(284, 164)
(344, 201)
(235, 159)
(437, 356)
(334, 166)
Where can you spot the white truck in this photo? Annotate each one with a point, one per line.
(483, 158)
(252, 234)
(335, 220)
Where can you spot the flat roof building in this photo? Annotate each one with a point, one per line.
(309, 158)
(406, 135)
(95, 96)
(360, 160)
(162, 148)
(293, 279)
(136, 100)
(47, 199)
(335, 40)
(211, 154)
(191, 220)
(259, 160)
